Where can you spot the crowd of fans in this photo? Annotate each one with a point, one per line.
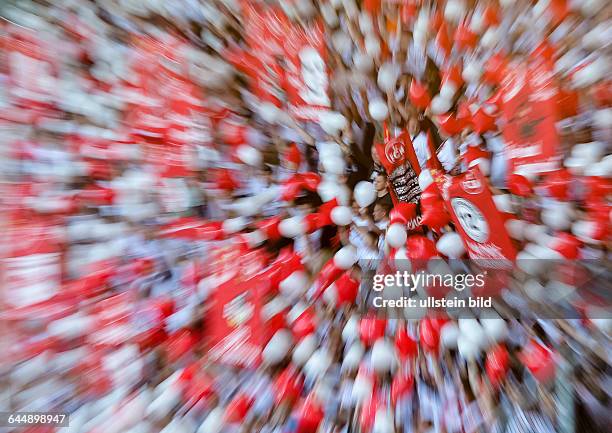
(156, 188)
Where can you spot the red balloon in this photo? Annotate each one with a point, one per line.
(436, 218)
(495, 69)
(483, 122)
(288, 386)
(597, 188)
(292, 187)
(450, 124)
(431, 197)
(402, 213)
(402, 384)
(325, 211)
(453, 74)
(519, 185)
(371, 328)
(429, 335)
(405, 344)
(311, 180)
(496, 364)
(420, 249)
(270, 228)
(491, 16)
(465, 38)
(327, 275)
(310, 415)
(347, 289)
(539, 361)
(557, 184)
(567, 245)
(368, 414)
(304, 325)
(418, 95)
(313, 222)
(238, 408)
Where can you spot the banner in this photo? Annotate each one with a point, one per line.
(307, 75)
(530, 114)
(477, 219)
(286, 59)
(401, 163)
(234, 320)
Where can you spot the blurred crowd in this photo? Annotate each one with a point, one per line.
(196, 194)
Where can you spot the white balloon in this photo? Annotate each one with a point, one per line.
(318, 364)
(495, 328)
(556, 220)
(365, 193)
(468, 349)
(278, 347)
(425, 179)
(332, 122)
(470, 328)
(383, 422)
(388, 74)
(448, 91)
(342, 42)
(440, 105)
(351, 9)
(295, 284)
(350, 332)
(363, 62)
(295, 312)
(163, 404)
(592, 151)
(534, 232)
(378, 110)
(449, 335)
(503, 202)
(268, 112)
(455, 10)
(585, 230)
(213, 422)
(533, 289)
(330, 295)
(383, 357)
(329, 14)
(516, 228)
(477, 22)
(234, 225)
(451, 245)
(304, 350)
(372, 46)
(292, 227)
(396, 235)
(402, 262)
(591, 73)
(602, 118)
(334, 165)
(490, 38)
(329, 190)
(341, 215)
(249, 155)
(353, 357)
(542, 252)
(590, 8)
(472, 72)
(365, 23)
(528, 263)
(362, 389)
(346, 257)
